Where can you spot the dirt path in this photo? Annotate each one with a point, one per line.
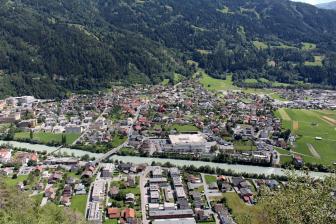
(329, 120)
(295, 125)
(284, 114)
(313, 151)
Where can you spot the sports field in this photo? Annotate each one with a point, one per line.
(46, 138)
(309, 126)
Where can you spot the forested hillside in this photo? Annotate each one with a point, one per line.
(50, 47)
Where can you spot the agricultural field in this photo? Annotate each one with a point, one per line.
(307, 125)
(45, 138)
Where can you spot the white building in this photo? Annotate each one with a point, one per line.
(94, 214)
(191, 143)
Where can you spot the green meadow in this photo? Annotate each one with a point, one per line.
(307, 125)
(214, 84)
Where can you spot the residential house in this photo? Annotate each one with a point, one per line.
(113, 213)
(130, 198)
(129, 215)
(5, 155)
(114, 191)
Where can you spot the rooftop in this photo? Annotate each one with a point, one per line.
(187, 139)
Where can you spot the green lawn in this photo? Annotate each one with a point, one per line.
(240, 210)
(311, 125)
(13, 182)
(78, 203)
(45, 138)
(244, 146)
(217, 84)
(110, 221)
(184, 128)
(210, 179)
(118, 140)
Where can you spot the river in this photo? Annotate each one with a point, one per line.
(137, 160)
(234, 167)
(49, 149)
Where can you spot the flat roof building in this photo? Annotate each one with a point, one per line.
(187, 143)
(98, 190)
(94, 213)
(174, 221)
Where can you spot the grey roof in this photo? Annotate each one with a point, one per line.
(174, 221)
(171, 212)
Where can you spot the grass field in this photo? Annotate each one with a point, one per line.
(217, 84)
(118, 140)
(110, 221)
(210, 179)
(308, 124)
(45, 138)
(244, 146)
(241, 211)
(78, 203)
(13, 182)
(185, 128)
(214, 84)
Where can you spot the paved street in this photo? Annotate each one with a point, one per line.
(208, 193)
(144, 196)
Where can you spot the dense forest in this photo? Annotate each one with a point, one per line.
(51, 47)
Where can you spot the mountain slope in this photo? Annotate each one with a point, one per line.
(77, 45)
(328, 5)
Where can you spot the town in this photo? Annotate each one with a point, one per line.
(184, 122)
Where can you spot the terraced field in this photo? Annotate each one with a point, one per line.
(307, 125)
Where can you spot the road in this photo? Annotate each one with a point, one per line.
(87, 128)
(144, 196)
(130, 132)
